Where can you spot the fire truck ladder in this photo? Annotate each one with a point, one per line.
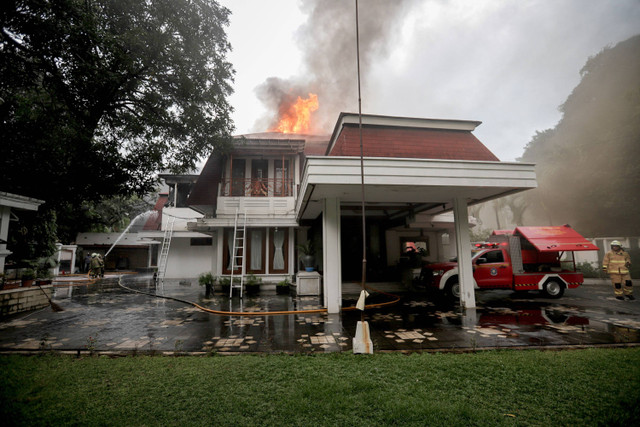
(238, 254)
(164, 255)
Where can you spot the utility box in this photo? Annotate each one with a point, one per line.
(308, 283)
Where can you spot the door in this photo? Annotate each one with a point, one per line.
(259, 178)
(255, 250)
(492, 271)
(237, 177)
(282, 186)
(279, 250)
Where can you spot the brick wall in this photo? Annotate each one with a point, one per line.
(14, 301)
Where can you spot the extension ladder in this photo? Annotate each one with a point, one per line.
(164, 254)
(238, 255)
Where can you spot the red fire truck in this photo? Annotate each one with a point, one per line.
(524, 259)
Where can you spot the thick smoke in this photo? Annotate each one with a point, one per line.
(328, 43)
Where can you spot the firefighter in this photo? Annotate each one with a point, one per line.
(101, 264)
(94, 270)
(616, 263)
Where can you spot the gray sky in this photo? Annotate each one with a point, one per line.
(509, 64)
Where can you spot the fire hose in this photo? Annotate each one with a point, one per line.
(395, 299)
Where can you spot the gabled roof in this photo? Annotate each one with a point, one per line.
(404, 137)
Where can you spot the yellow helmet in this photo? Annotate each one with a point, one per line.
(616, 243)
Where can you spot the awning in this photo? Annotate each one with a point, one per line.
(555, 238)
(415, 185)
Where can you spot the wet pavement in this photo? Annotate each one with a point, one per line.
(105, 317)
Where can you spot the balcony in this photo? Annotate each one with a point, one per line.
(259, 198)
(260, 187)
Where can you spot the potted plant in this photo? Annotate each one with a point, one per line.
(207, 280)
(283, 287)
(252, 284)
(27, 277)
(307, 252)
(43, 270)
(225, 284)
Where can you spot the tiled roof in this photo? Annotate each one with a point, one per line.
(406, 142)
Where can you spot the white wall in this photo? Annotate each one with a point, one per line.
(186, 261)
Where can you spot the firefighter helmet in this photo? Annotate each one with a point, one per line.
(615, 243)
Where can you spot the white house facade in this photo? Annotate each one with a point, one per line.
(420, 175)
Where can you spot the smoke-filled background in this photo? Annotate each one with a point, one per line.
(509, 64)
(552, 82)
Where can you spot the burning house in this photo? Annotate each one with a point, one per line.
(419, 177)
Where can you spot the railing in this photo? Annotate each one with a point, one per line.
(272, 187)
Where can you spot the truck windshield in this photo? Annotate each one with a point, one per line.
(474, 254)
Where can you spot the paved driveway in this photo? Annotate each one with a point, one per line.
(105, 317)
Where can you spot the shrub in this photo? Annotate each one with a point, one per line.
(591, 272)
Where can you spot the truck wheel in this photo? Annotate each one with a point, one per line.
(452, 289)
(553, 289)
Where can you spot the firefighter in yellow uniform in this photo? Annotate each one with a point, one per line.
(616, 263)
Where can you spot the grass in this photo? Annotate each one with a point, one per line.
(575, 387)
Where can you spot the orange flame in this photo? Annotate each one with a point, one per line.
(297, 117)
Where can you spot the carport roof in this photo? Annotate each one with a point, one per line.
(423, 185)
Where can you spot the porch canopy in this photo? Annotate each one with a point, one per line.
(404, 186)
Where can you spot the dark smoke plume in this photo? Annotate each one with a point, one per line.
(328, 43)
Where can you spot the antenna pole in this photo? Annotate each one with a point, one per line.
(364, 224)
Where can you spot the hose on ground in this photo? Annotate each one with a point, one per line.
(396, 298)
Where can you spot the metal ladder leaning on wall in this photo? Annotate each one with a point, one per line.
(239, 231)
(164, 255)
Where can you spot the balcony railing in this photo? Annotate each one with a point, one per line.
(272, 187)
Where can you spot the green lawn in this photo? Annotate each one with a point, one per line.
(572, 387)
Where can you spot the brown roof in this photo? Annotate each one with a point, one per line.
(422, 143)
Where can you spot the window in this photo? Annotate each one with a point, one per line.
(494, 256)
(201, 241)
(414, 245)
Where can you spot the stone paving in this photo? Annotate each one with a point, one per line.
(105, 317)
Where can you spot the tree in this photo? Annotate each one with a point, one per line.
(96, 96)
(587, 166)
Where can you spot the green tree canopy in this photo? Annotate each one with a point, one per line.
(96, 96)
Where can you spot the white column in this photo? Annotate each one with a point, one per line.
(5, 216)
(463, 247)
(73, 249)
(332, 266)
(291, 268)
(58, 255)
(220, 252)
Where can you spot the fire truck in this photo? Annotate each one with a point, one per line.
(525, 259)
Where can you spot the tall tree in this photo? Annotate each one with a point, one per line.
(587, 166)
(98, 95)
